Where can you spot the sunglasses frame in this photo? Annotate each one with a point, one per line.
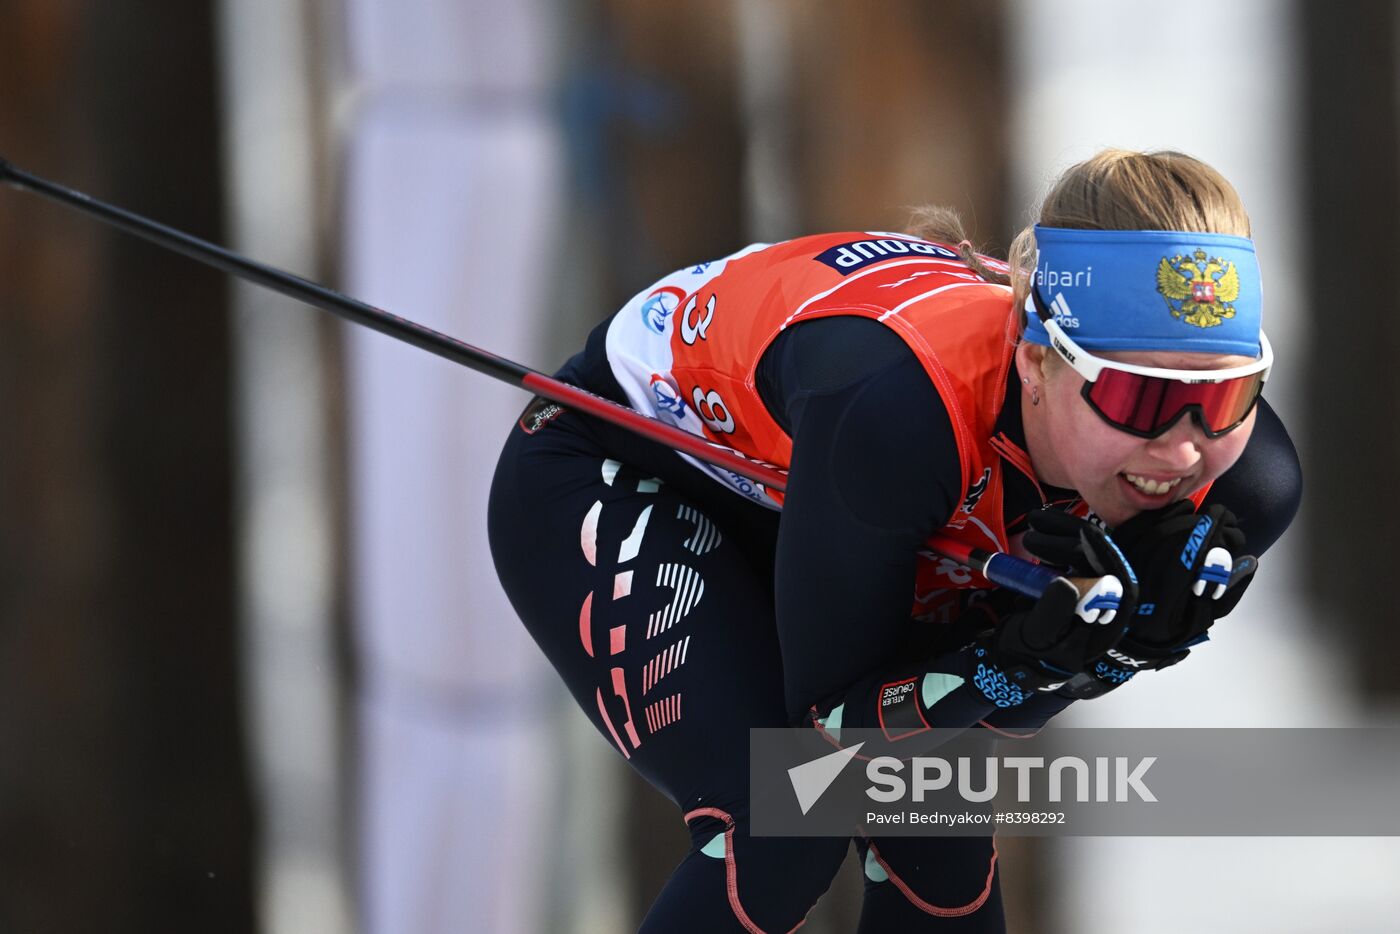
(1089, 366)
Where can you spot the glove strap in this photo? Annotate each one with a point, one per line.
(1117, 668)
(1133, 656)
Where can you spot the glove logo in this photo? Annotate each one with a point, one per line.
(1193, 544)
(1111, 674)
(1127, 660)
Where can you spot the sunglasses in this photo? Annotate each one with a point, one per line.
(1147, 401)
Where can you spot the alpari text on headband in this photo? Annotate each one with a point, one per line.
(1152, 290)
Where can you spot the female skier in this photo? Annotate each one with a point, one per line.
(1106, 379)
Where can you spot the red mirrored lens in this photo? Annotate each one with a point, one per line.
(1148, 404)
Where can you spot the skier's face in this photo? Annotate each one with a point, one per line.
(1119, 474)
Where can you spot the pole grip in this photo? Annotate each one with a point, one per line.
(1021, 576)
(1002, 569)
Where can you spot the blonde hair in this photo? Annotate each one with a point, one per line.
(1116, 189)
(945, 225)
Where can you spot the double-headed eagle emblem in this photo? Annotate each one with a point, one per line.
(1199, 289)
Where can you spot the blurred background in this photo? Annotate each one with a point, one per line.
(255, 670)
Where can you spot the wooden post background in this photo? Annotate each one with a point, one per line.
(123, 801)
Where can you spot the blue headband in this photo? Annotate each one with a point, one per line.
(1148, 290)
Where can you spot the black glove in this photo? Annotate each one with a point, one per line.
(1082, 549)
(1039, 646)
(1191, 569)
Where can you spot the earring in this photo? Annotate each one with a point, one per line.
(1035, 395)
